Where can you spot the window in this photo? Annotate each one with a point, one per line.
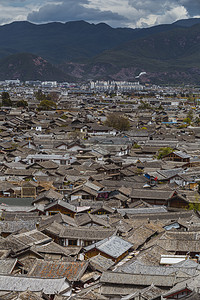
(51, 213)
(72, 242)
(101, 212)
(68, 214)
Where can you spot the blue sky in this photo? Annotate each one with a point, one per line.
(124, 13)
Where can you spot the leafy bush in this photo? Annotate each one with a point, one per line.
(163, 152)
(46, 105)
(118, 122)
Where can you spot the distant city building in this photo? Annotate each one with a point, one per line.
(33, 83)
(49, 84)
(15, 81)
(120, 86)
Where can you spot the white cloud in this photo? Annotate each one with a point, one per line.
(147, 12)
(172, 15)
(18, 10)
(9, 14)
(132, 13)
(73, 10)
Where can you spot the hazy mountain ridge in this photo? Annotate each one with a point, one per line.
(84, 50)
(26, 66)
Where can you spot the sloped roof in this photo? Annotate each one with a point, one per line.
(151, 194)
(48, 164)
(163, 215)
(181, 154)
(151, 256)
(191, 284)
(113, 246)
(137, 267)
(7, 265)
(33, 237)
(100, 262)
(93, 186)
(12, 244)
(59, 218)
(117, 278)
(85, 189)
(140, 235)
(22, 283)
(89, 218)
(19, 172)
(61, 203)
(149, 293)
(73, 271)
(14, 226)
(53, 248)
(180, 241)
(50, 194)
(84, 233)
(22, 295)
(79, 232)
(107, 208)
(143, 210)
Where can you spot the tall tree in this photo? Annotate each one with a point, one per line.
(6, 101)
(118, 122)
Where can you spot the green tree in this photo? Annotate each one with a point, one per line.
(46, 105)
(144, 105)
(6, 101)
(53, 96)
(187, 120)
(194, 206)
(118, 122)
(39, 95)
(22, 103)
(190, 114)
(136, 146)
(5, 95)
(163, 152)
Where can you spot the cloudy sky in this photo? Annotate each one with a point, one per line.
(117, 13)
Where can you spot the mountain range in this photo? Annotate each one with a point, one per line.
(79, 51)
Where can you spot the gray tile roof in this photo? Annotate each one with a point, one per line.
(136, 267)
(149, 293)
(62, 204)
(20, 283)
(22, 295)
(143, 210)
(53, 248)
(117, 278)
(101, 263)
(113, 246)
(33, 237)
(14, 226)
(182, 154)
(85, 234)
(7, 265)
(50, 194)
(191, 283)
(82, 233)
(180, 241)
(151, 194)
(86, 218)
